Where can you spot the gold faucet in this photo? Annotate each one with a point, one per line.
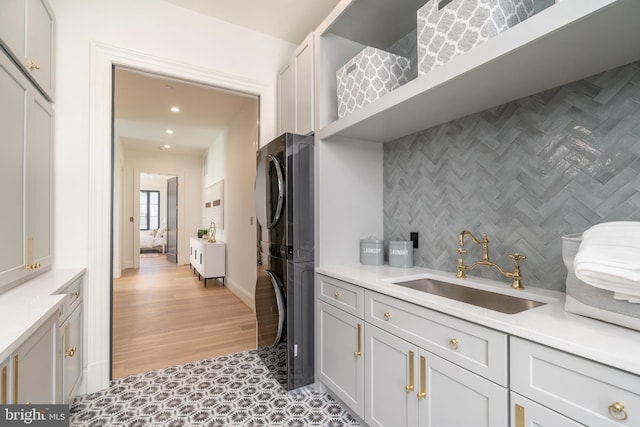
(486, 261)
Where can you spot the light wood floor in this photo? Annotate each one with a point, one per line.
(164, 316)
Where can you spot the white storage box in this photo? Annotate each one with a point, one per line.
(590, 301)
(367, 76)
(448, 28)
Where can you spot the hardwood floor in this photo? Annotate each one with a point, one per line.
(163, 316)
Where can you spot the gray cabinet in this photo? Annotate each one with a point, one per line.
(296, 91)
(70, 344)
(527, 413)
(26, 172)
(28, 376)
(27, 31)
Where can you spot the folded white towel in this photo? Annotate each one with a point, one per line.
(609, 258)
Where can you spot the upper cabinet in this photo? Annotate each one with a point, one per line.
(296, 91)
(26, 170)
(567, 41)
(27, 30)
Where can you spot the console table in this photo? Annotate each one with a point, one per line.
(207, 259)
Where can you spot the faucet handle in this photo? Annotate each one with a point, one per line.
(461, 251)
(517, 257)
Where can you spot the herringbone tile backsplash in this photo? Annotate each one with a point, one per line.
(525, 173)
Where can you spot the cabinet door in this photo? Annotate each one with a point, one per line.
(286, 99)
(5, 398)
(33, 367)
(456, 397)
(390, 392)
(303, 63)
(339, 355)
(70, 345)
(526, 413)
(39, 53)
(13, 104)
(38, 180)
(12, 21)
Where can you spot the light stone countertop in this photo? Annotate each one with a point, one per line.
(26, 307)
(549, 324)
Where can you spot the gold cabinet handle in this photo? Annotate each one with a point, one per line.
(387, 315)
(32, 65)
(358, 353)
(519, 416)
(423, 378)
(3, 400)
(617, 411)
(15, 379)
(336, 295)
(70, 352)
(411, 386)
(76, 294)
(453, 344)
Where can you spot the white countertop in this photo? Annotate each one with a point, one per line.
(26, 307)
(548, 324)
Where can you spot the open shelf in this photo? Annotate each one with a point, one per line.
(569, 41)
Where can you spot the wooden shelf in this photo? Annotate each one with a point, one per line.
(569, 41)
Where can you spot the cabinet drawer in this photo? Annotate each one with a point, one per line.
(474, 347)
(343, 295)
(73, 298)
(526, 413)
(581, 389)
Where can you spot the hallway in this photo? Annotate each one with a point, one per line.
(164, 316)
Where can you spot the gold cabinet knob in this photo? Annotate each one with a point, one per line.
(617, 412)
(336, 295)
(33, 66)
(386, 315)
(453, 344)
(76, 294)
(70, 352)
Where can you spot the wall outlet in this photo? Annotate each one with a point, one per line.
(414, 239)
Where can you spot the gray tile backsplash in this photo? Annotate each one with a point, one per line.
(525, 173)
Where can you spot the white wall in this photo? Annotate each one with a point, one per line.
(239, 206)
(151, 30)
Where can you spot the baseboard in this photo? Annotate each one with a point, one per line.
(241, 293)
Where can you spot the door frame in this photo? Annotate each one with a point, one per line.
(99, 282)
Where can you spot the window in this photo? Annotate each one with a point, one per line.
(149, 210)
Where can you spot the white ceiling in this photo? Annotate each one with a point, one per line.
(290, 20)
(142, 101)
(142, 112)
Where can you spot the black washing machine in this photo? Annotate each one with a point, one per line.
(285, 258)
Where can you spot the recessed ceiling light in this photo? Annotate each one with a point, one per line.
(175, 109)
(169, 86)
(167, 146)
(169, 131)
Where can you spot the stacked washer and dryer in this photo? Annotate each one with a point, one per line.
(285, 258)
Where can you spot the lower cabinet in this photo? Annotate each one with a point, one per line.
(28, 376)
(4, 382)
(70, 355)
(526, 413)
(389, 381)
(588, 392)
(339, 361)
(409, 386)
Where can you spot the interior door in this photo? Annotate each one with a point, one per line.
(172, 220)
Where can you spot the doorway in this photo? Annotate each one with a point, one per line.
(184, 152)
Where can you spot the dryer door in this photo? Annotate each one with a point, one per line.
(270, 309)
(269, 190)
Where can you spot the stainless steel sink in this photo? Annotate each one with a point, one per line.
(478, 297)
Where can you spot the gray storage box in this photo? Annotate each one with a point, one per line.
(448, 28)
(590, 301)
(401, 254)
(371, 251)
(369, 75)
